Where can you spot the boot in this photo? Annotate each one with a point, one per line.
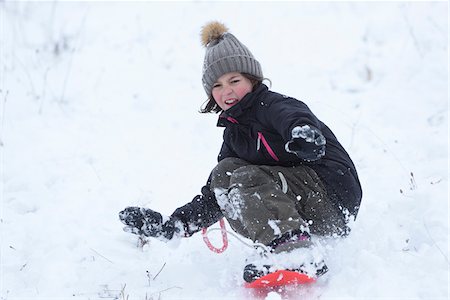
(293, 252)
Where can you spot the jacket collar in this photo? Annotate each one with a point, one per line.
(233, 114)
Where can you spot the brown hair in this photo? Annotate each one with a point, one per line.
(210, 105)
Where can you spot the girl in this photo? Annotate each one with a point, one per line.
(281, 174)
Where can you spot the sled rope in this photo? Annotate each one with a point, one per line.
(224, 232)
(224, 238)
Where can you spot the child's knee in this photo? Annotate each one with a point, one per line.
(221, 174)
(249, 176)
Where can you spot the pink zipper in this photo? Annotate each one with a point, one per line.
(267, 146)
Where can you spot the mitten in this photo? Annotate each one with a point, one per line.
(144, 221)
(307, 143)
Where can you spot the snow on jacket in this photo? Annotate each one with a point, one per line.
(257, 130)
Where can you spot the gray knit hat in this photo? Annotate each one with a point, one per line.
(224, 54)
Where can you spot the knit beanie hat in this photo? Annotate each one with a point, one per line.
(224, 54)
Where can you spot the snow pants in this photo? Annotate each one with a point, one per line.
(263, 202)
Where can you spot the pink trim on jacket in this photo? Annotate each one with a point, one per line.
(232, 120)
(267, 146)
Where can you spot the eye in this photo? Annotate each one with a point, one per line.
(235, 81)
(216, 85)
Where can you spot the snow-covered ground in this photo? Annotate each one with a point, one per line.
(98, 111)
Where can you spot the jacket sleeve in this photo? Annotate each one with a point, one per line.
(225, 152)
(201, 212)
(284, 114)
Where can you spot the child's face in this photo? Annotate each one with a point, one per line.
(230, 88)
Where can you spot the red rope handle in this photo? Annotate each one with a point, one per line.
(224, 238)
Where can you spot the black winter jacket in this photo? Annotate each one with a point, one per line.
(257, 130)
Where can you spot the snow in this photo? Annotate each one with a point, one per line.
(230, 202)
(99, 110)
(309, 260)
(274, 226)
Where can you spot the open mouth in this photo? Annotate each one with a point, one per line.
(231, 101)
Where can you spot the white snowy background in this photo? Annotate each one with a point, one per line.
(99, 110)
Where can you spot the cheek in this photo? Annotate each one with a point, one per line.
(215, 95)
(241, 92)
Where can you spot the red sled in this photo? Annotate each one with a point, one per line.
(280, 278)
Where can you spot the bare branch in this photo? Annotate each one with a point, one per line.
(159, 271)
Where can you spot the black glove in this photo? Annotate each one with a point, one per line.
(144, 221)
(307, 143)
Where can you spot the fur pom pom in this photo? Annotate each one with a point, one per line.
(212, 31)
